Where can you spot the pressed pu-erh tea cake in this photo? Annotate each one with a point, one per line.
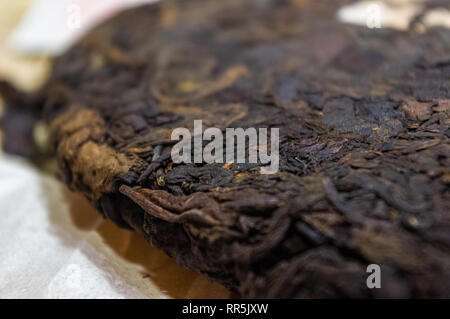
(363, 118)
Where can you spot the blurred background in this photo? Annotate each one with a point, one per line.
(26, 71)
(54, 244)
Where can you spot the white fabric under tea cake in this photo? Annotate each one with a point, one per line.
(51, 26)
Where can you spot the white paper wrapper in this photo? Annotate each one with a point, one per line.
(50, 26)
(54, 245)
